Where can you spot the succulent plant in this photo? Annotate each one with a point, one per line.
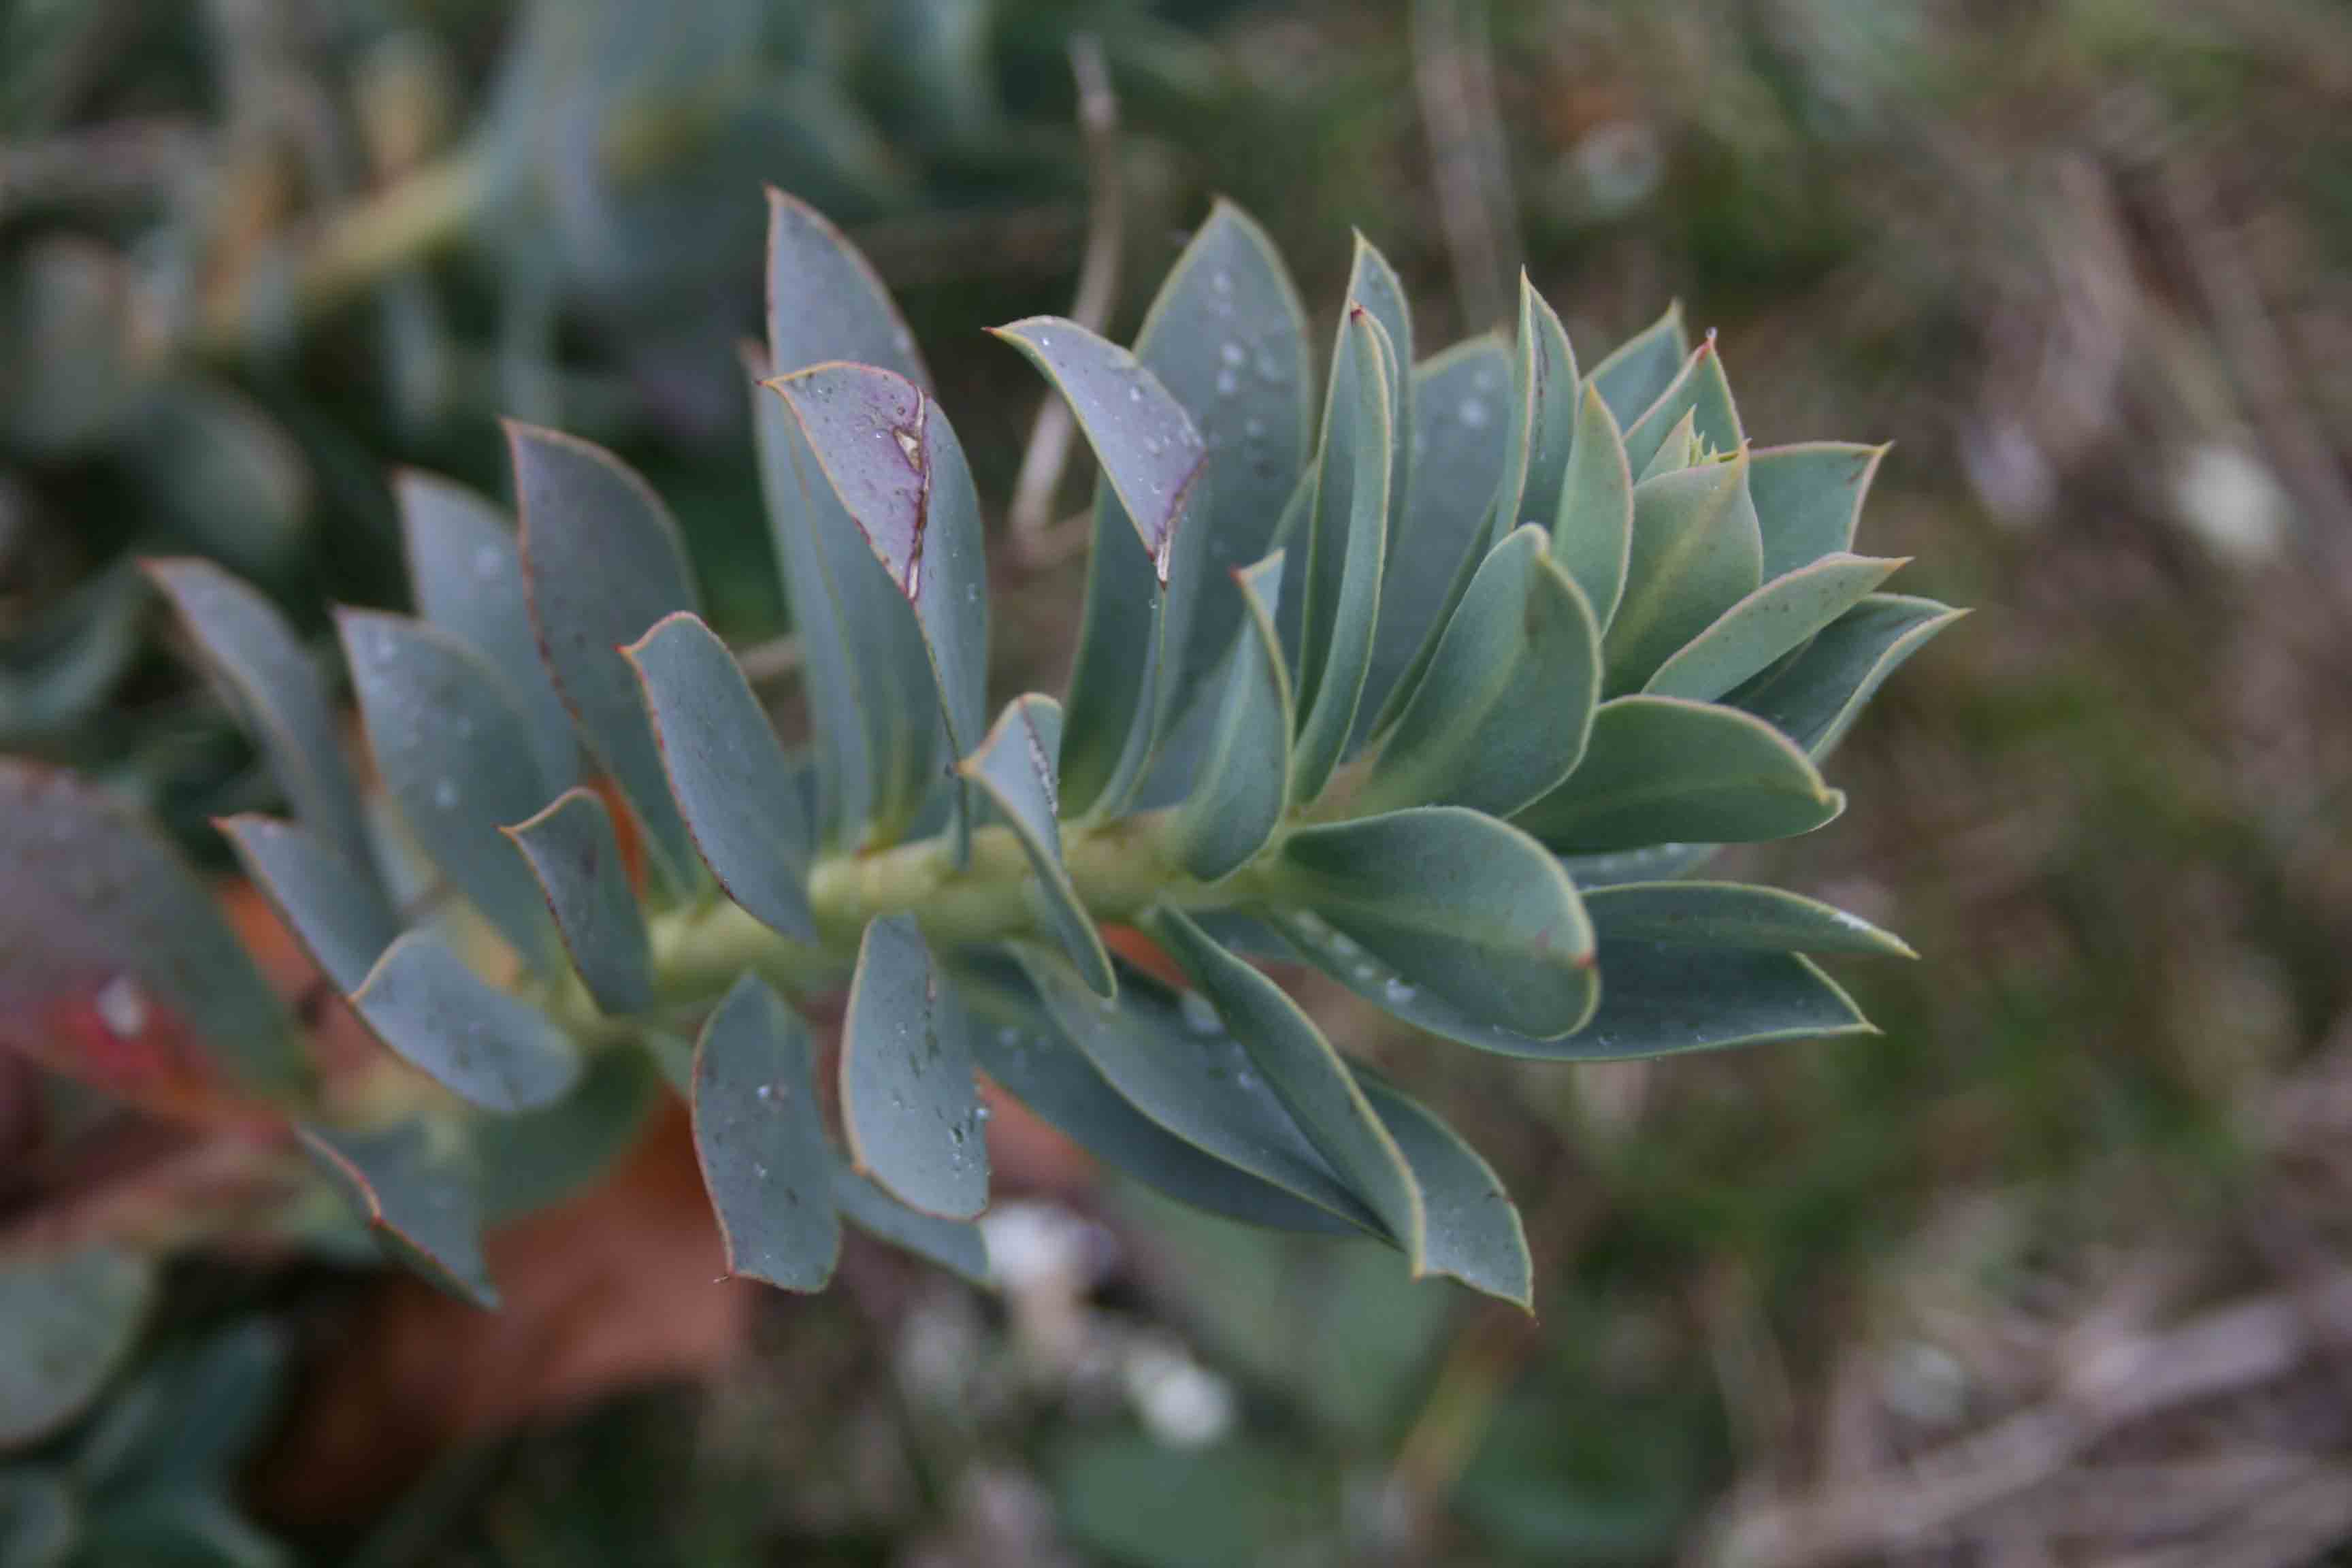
(1442, 688)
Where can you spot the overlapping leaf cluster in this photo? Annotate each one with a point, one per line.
(1439, 683)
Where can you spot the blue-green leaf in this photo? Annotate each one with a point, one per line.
(1155, 468)
(1643, 366)
(1542, 428)
(1244, 781)
(863, 658)
(727, 771)
(602, 560)
(1699, 392)
(908, 1105)
(1019, 1044)
(1659, 999)
(1815, 696)
(1150, 449)
(1471, 1230)
(1299, 934)
(477, 1042)
(455, 760)
(1372, 283)
(759, 1135)
(1809, 497)
(1460, 413)
(810, 561)
(824, 300)
(1339, 561)
(576, 857)
(954, 1245)
(1173, 1059)
(1680, 450)
(1226, 337)
(1650, 863)
(1592, 534)
(1732, 914)
(1659, 770)
(1015, 767)
(333, 908)
(1694, 554)
(275, 691)
(899, 474)
(115, 965)
(415, 1185)
(68, 1319)
(1305, 1074)
(468, 578)
(1456, 904)
(1778, 617)
(1501, 714)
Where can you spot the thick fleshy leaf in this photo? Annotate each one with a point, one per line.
(468, 578)
(1226, 337)
(1680, 450)
(1699, 391)
(899, 474)
(602, 560)
(480, 1043)
(1155, 471)
(1659, 770)
(1650, 863)
(1592, 534)
(1172, 1057)
(1815, 698)
(1015, 766)
(1471, 1230)
(1459, 905)
(115, 967)
(1018, 1044)
(1732, 914)
(1642, 367)
(576, 856)
(829, 673)
(1501, 715)
(759, 1135)
(1659, 999)
(1149, 448)
(1114, 678)
(1809, 497)
(1372, 283)
(67, 1320)
(1299, 934)
(727, 771)
(333, 908)
(824, 299)
(414, 1185)
(1244, 781)
(1780, 616)
(1461, 416)
(1340, 564)
(955, 1245)
(1543, 426)
(1694, 554)
(1307, 1075)
(864, 663)
(908, 1105)
(457, 760)
(269, 681)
